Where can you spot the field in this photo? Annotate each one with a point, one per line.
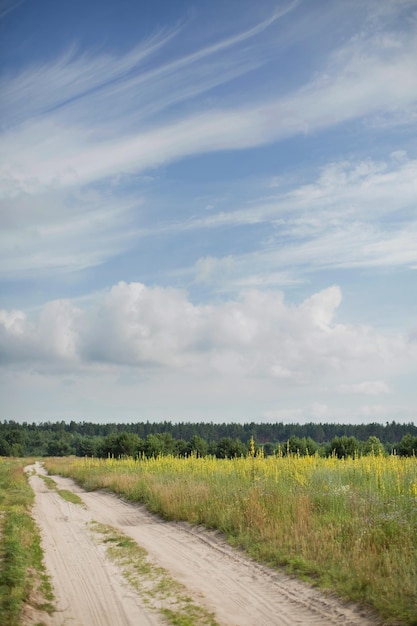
(348, 525)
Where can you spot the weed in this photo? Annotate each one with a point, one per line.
(345, 524)
(23, 578)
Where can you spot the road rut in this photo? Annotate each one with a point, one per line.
(90, 590)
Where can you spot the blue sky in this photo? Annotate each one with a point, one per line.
(208, 210)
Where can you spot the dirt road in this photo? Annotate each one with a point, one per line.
(91, 591)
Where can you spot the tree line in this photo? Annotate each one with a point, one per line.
(225, 440)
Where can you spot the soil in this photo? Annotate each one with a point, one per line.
(91, 591)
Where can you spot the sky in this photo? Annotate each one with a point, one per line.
(208, 210)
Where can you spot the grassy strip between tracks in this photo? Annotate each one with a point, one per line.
(158, 590)
(65, 494)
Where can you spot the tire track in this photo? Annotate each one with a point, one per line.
(89, 590)
(238, 590)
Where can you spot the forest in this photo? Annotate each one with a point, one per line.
(222, 440)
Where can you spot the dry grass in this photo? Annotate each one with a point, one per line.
(348, 525)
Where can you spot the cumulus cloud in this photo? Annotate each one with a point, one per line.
(83, 133)
(141, 326)
(49, 339)
(145, 351)
(258, 335)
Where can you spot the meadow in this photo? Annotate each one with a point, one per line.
(24, 583)
(347, 525)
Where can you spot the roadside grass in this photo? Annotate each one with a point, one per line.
(346, 525)
(159, 591)
(24, 583)
(65, 494)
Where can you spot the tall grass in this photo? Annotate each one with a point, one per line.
(348, 525)
(23, 579)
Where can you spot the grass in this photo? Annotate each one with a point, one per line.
(158, 590)
(24, 583)
(65, 494)
(346, 525)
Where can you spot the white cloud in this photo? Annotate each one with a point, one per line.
(30, 92)
(343, 191)
(144, 351)
(355, 214)
(56, 232)
(210, 269)
(140, 326)
(70, 146)
(258, 335)
(83, 137)
(86, 120)
(52, 138)
(367, 387)
(48, 340)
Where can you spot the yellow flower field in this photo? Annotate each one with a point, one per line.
(348, 525)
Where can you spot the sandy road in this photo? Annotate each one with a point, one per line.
(91, 592)
(88, 588)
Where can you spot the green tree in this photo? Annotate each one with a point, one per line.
(344, 446)
(198, 446)
(120, 444)
(373, 446)
(159, 444)
(59, 446)
(228, 448)
(5, 447)
(108, 446)
(127, 444)
(87, 446)
(408, 446)
(301, 446)
(268, 448)
(181, 447)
